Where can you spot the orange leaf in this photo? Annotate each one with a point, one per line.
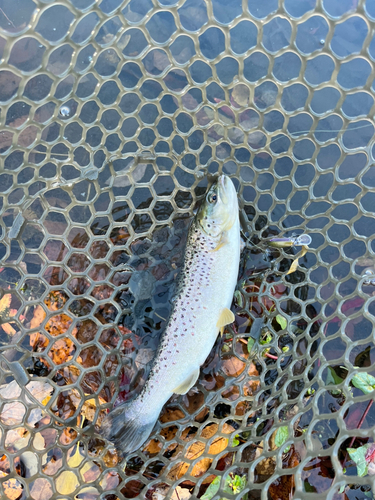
(5, 303)
(12, 489)
(38, 318)
(8, 328)
(62, 351)
(201, 467)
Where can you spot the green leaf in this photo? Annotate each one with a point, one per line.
(239, 483)
(282, 321)
(250, 344)
(282, 434)
(365, 382)
(212, 489)
(332, 377)
(234, 485)
(266, 337)
(358, 456)
(235, 441)
(239, 298)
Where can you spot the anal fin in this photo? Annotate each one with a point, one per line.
(226, 318)
(188, 383)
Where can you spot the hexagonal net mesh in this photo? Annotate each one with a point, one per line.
(114, 116)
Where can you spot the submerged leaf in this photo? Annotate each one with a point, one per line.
(332, 377)
(358, 455)
(282, 321)
(234, 485)
(365, 382)
(282, 434)
(250, 344)
(212, 489)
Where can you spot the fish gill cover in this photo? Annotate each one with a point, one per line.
(114, 115)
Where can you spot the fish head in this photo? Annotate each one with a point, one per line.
(219, 210)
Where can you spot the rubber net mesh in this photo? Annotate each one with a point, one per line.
(115, 116)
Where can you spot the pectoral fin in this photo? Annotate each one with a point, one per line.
(188, 383)
(226, 318)
(223, 241)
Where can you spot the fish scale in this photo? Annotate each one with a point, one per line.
(205, 289)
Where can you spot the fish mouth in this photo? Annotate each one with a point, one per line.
(222, 184)
(226, 190)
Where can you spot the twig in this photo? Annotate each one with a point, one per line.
(361, 421)
(271, 356)
(9, 20)
(358, 426)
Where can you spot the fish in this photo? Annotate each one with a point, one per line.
(200, 310)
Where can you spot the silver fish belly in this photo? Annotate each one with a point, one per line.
(204, 295)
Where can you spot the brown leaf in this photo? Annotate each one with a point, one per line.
(178, 471)
(169, 432)
(227, 429)
(209, 430)
(252, 386)
(266, 468)
(153, 447)
(111, 458)
(193, 400)
(232, 366)
(282, 488)
(195, 450)
(253, 372)
(171, 414)
(181, 494)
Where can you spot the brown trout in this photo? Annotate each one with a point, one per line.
(200, 310)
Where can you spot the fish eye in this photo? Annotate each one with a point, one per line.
(212, 198)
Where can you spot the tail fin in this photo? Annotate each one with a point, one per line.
(126, 429)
